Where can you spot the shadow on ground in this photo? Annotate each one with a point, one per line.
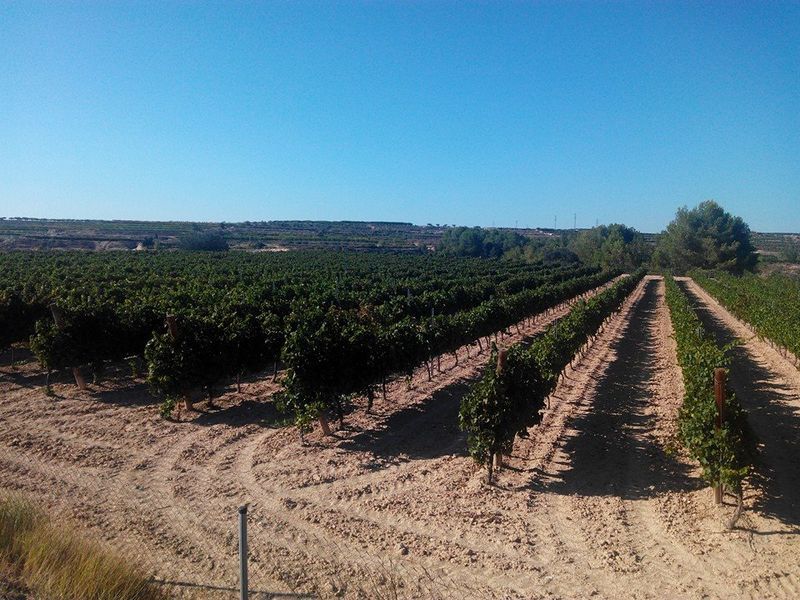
(216, 591)
(423, 431)
(611, 451)
(246, 412)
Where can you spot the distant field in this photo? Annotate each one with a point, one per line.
(262, 235)
(273, 235)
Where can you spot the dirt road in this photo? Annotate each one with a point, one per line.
(594, 504)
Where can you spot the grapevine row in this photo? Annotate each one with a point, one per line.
(724, 453)
(770, 306)
(126, 295)
(332, 354)
(509, 397)
(229, 339)
(341, 325)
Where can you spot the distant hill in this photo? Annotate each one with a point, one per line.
(68, 234)
(263, 235)
(276, 236)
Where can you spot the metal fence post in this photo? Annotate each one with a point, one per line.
(243, 552)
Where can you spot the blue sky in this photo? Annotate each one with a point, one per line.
(476, 114)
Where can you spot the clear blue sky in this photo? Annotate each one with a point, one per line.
(476, 114)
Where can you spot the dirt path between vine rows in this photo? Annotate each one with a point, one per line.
(592, 504)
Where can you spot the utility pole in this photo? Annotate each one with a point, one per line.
(555, 222)
(575, 221)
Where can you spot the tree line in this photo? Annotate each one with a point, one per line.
(704, 237)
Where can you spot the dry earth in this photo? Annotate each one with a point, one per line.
(597, 502)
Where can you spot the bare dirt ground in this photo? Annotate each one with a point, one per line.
(598, 502)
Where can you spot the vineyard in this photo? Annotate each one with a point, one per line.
(586, 396)
(725, 448)
(400, 300)
(770, 306)
(509, 398)
(341, 325)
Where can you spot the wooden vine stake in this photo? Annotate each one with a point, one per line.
(323, 423)
(719, 398)
(172, 326)
(58, 317)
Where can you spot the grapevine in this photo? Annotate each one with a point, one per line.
(509, 397)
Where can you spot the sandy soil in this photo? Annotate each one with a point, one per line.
(597, 502)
